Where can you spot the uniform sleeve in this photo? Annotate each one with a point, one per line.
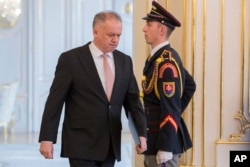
(169, 86)
(188, 91)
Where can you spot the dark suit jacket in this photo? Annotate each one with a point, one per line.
(90, 119)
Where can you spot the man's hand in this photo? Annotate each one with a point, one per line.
(163, 156)
(142, 146)
(46, 149)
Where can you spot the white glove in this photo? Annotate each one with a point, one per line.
(163, 156)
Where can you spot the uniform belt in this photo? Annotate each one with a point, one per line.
(154, 109)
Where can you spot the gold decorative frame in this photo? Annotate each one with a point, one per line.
(241, 115)
(243, 129)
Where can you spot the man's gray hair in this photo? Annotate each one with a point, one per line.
(105, 15)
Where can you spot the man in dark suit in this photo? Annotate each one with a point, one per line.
(91, 134)
(167, 88)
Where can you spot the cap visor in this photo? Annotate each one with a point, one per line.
(146, 18)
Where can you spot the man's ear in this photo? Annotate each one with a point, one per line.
(95, 31)
(163, 30)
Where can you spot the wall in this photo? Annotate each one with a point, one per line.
(214, 43)
(30, 49)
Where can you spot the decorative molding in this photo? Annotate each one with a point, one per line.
(128, 8)
(243, 129)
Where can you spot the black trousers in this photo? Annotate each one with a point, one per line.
(108, 162)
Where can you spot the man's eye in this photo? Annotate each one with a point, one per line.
(114, 35)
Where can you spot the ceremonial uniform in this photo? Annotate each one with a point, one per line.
(167, 90)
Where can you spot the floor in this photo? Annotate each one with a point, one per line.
(21, 150)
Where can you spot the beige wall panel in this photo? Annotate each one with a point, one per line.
(140, 52)
(212, 78)
(247, 59)
(197, 53)
(215, 51)
(231, 67)
(176, 8)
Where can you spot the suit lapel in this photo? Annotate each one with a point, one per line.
(90, 68)
(117, 74)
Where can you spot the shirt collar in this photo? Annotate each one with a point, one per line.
(153, 51)
(96, 52)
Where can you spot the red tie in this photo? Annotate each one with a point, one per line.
(109, 78)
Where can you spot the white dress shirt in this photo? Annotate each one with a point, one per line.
(98, 59)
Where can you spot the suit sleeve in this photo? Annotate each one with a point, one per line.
(54, 104)
(132, 103)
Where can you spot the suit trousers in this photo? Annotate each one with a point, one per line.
(109, 161)
(150, 161)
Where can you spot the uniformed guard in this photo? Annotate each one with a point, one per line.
(167, 90)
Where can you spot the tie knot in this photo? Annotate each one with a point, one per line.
(105, 55)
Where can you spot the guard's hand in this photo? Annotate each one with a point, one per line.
(142, 146)
(46, 149)
(163, 156)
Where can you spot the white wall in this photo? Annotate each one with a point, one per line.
(30, 50)
(214, 42)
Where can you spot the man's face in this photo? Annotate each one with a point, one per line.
(107, 35)
(152, 32)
